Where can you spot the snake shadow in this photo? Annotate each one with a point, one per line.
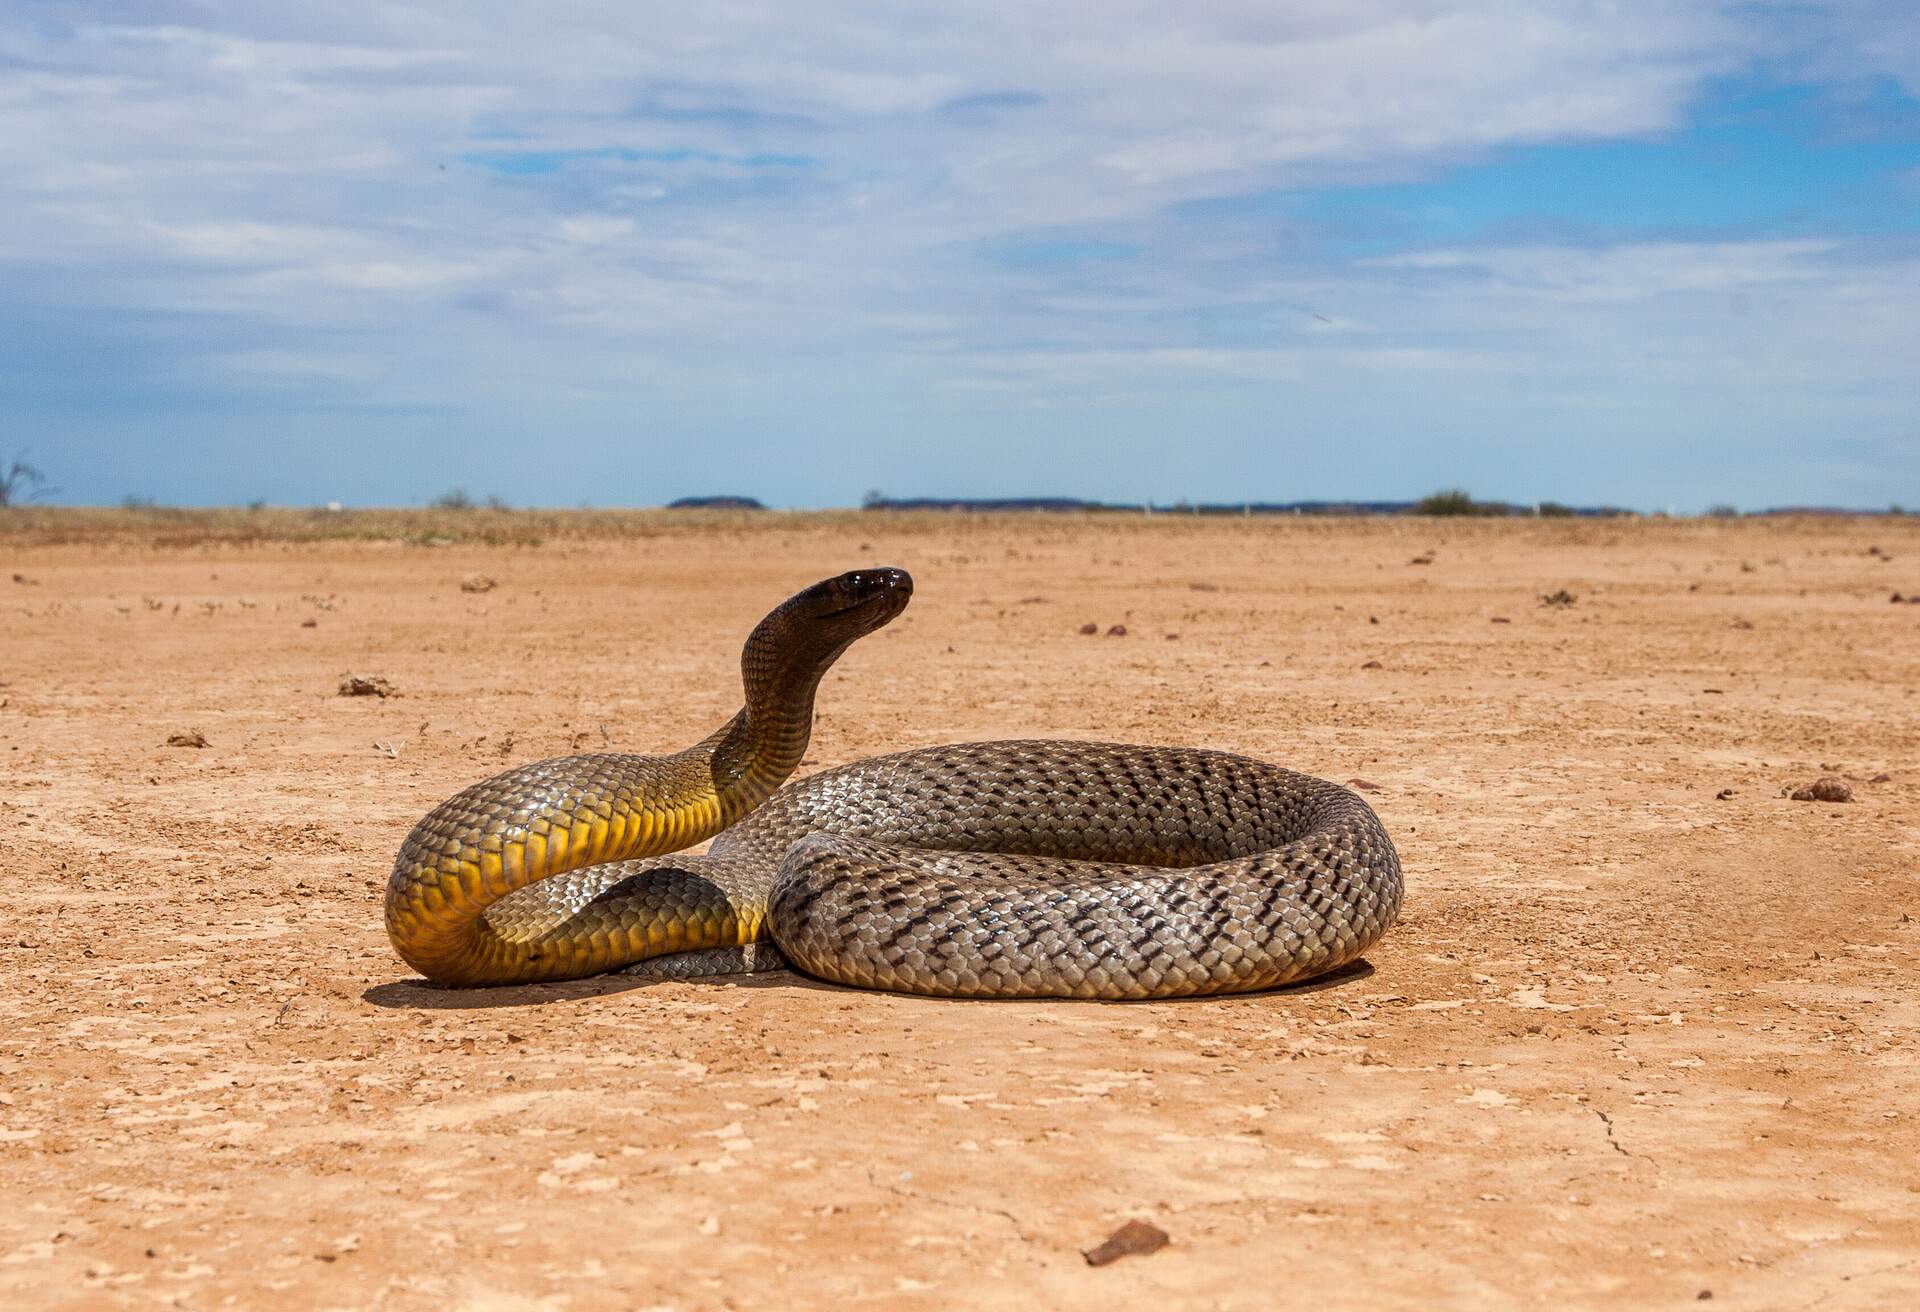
(423, 995)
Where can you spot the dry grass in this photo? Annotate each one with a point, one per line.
(172, 526)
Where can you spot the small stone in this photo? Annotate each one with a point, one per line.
(309, 624)
(1117, 631)
(1882, 778)
(1140, 1237)
(1371, 665)
(1827, 788)
(1723, 795)
(1364, 785)
(365, 685)
(1089, 628)
(477, 583)
(190, 738)
(1421, 560)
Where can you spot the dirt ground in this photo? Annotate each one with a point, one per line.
(1647, 1034)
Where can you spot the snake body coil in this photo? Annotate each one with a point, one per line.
(1011, 869)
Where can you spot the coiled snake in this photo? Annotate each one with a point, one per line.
(1008, 869)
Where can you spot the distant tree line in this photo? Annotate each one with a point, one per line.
(1451, 501)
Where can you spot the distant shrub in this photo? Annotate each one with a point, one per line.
(1723, 510)
(497, 502)
(133, 502)
(1553, 510)
(1448, 502)
(457, 499)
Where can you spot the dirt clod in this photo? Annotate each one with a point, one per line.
(477, 583)
(1827, 788)
(365, 685)
(187, 738)
(1559, 597)
(1141, 1237)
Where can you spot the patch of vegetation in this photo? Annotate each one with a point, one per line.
(1723, 510)
(1455, 501)
(1553, 510)
(453, 499)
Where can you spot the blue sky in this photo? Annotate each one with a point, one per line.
(1645, 252)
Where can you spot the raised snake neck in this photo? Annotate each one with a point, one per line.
(1019, 869)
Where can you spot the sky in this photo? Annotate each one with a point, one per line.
(1650, 253)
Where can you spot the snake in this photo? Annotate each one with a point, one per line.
(1021, 869)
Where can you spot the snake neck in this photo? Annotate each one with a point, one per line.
(754, 753)
(749, 757)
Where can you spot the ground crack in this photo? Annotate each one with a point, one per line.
(1612, 1141)
(937, 1201)
(1866, 1275)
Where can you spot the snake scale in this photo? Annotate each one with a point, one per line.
(1001, 869)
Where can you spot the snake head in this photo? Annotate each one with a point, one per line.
(858, 602)
(790, 649)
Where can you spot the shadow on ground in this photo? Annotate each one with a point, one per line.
(422, 995)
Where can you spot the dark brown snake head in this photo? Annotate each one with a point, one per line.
(791, 648)
(853, 604)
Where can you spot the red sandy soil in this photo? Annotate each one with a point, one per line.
(1634, 1042)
